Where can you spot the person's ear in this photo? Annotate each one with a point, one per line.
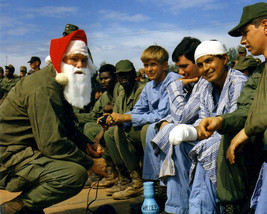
(264, 25)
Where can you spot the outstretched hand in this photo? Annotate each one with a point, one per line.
(209, 125)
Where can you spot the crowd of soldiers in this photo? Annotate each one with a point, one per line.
(198, 133)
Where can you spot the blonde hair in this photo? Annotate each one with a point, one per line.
(155, 52)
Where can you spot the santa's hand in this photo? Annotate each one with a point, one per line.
(182, 132)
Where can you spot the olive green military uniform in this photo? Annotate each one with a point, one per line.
(234, 180)
(41, 151)
(105, 99)
(6, 85)
(91, 128)
(123, 104)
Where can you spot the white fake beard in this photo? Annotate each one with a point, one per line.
(77, 91)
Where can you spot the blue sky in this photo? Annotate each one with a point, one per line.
(116, 29)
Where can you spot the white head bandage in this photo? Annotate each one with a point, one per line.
(77, 47)
(209, 48)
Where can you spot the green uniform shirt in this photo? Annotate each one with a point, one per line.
(257, 116)
(126, 103)
(35, 120)
(235, 121)
(98, 109)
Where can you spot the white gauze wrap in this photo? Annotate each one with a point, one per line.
(182, 132)
(209, 48)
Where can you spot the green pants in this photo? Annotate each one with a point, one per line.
(91, 130)
(235, 182)
(44, 181)
(125, 147)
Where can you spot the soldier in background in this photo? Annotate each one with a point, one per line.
(246, 65)
(22, 71)
(242, 52)
(35, 63)
(8, 82)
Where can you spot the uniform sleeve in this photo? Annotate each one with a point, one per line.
(235, 120)
(95, 113)
(256, 122)
(47, 116)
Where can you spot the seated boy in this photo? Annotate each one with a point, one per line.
(130, 131)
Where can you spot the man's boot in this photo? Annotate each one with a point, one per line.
(92, 177)
(12, 207)
(135, 188)
(16, 206)
(122, 183)
(109, 181)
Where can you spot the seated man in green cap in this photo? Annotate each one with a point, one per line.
(129, 94)
(246, 65)
(237, 171)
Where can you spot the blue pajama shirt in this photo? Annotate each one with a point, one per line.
(203, 155)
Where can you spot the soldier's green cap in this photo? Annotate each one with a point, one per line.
(69, 28)
(124, 66)
(250, 12)
(10, 67)
(242, 50)
(245, 62)
(23, 68)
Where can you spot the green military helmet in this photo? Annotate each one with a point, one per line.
(10, 68)
(242, 50)
(23, 69)
(245, 63)
(124, 66)
(250, 12)
(69, 28)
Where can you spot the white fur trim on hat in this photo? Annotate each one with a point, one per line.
(48, 60)
(62, 78)
(209, 48)
(77, 46)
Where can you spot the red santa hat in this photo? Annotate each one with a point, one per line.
(58, 47)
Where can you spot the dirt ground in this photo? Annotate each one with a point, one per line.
(78, 203)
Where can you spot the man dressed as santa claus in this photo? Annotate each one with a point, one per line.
(42, 153)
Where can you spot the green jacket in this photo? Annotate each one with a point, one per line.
(235, 121)
(35, 120)
(6, 85)
(98, 109)
(257, 116)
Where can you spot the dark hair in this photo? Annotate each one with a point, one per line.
(258, 20)
(108, 68)
(187, 48)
